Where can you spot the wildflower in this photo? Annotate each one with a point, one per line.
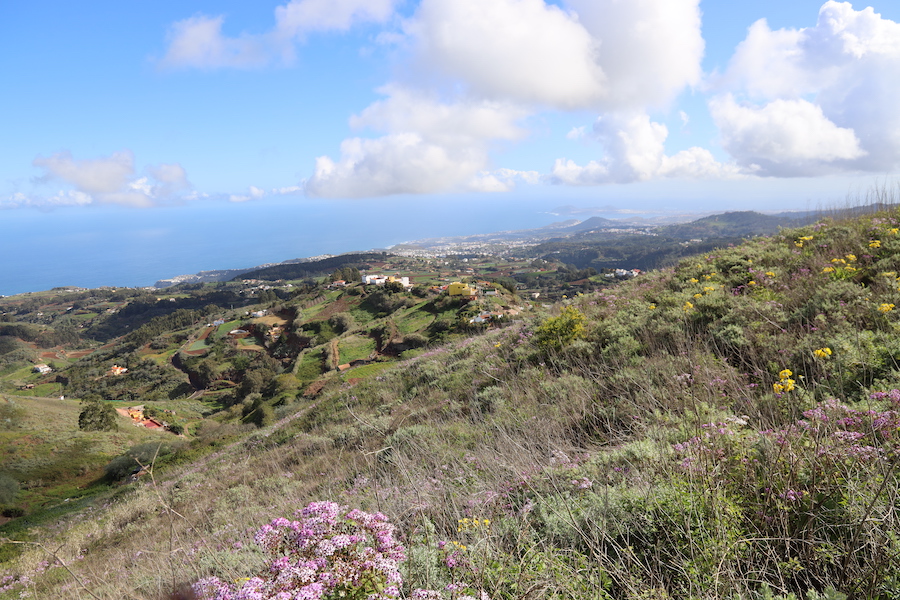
(770, 273)
(822, 352)
(875, 244)
(687, 306)
(652, 307)
(698, 295)
(497, 345)
(751, 283)
(850, 257)
(828, 270)
(893, 231)
(839, 261)
(709, 288)
(694, 280)
(885, 307)
(784, 374)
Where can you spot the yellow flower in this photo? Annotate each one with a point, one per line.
(708, 277)
(889, 274)
(828, 270)
(822, 352)
(839, 261)
(708, 289)
(698, 295)
(894, 231)
(778, 388)
(687, 306)
(785, 374)
(788, 385)
(850, 257)
(652, 307)
(886, 308)
(851, 269)
(694, 280)
(770, 274)
(497, 345)
(751, 283)
(875, 244)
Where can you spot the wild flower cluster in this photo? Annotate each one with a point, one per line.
(329, 552)
(785, 383)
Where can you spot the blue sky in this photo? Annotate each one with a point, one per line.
(639, 104)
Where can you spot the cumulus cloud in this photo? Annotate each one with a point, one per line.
(198, 41)
(649, 50)
(515, 50)
(634, 150)
(107, 180)
(430, 146)
(503, 61)
(814, 100)
(784, 137)
(601, 54)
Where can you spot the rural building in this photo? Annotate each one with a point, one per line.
(460, 289)
(42, 369)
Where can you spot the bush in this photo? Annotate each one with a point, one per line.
(135, 458)
(559, 331)
(97, 416)
(9, 489)
(342, 322)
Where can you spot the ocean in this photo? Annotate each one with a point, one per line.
(115, 246)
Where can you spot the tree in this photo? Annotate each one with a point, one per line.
(97, 415)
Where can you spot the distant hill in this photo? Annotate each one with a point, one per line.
(736, 224)
(302, 270)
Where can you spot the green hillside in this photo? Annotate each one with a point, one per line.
(724, 428)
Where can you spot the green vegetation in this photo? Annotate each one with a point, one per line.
(723, 428)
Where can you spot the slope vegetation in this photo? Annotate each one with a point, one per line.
(724, 428)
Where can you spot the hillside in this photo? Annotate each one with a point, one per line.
(726, 427)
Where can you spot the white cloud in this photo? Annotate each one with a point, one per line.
(515, 50)
(635, 151)
(430, 146)
(300, 16)
(823, 98)
(648, 50)
(603, 54)
(109, 180)
(784, 137)
(198, 42)
(254, 193)
(92, 176)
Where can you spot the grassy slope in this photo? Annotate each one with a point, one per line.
(652, 457)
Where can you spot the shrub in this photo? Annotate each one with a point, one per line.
(9, 489)
(556, 332)
(330, 552)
